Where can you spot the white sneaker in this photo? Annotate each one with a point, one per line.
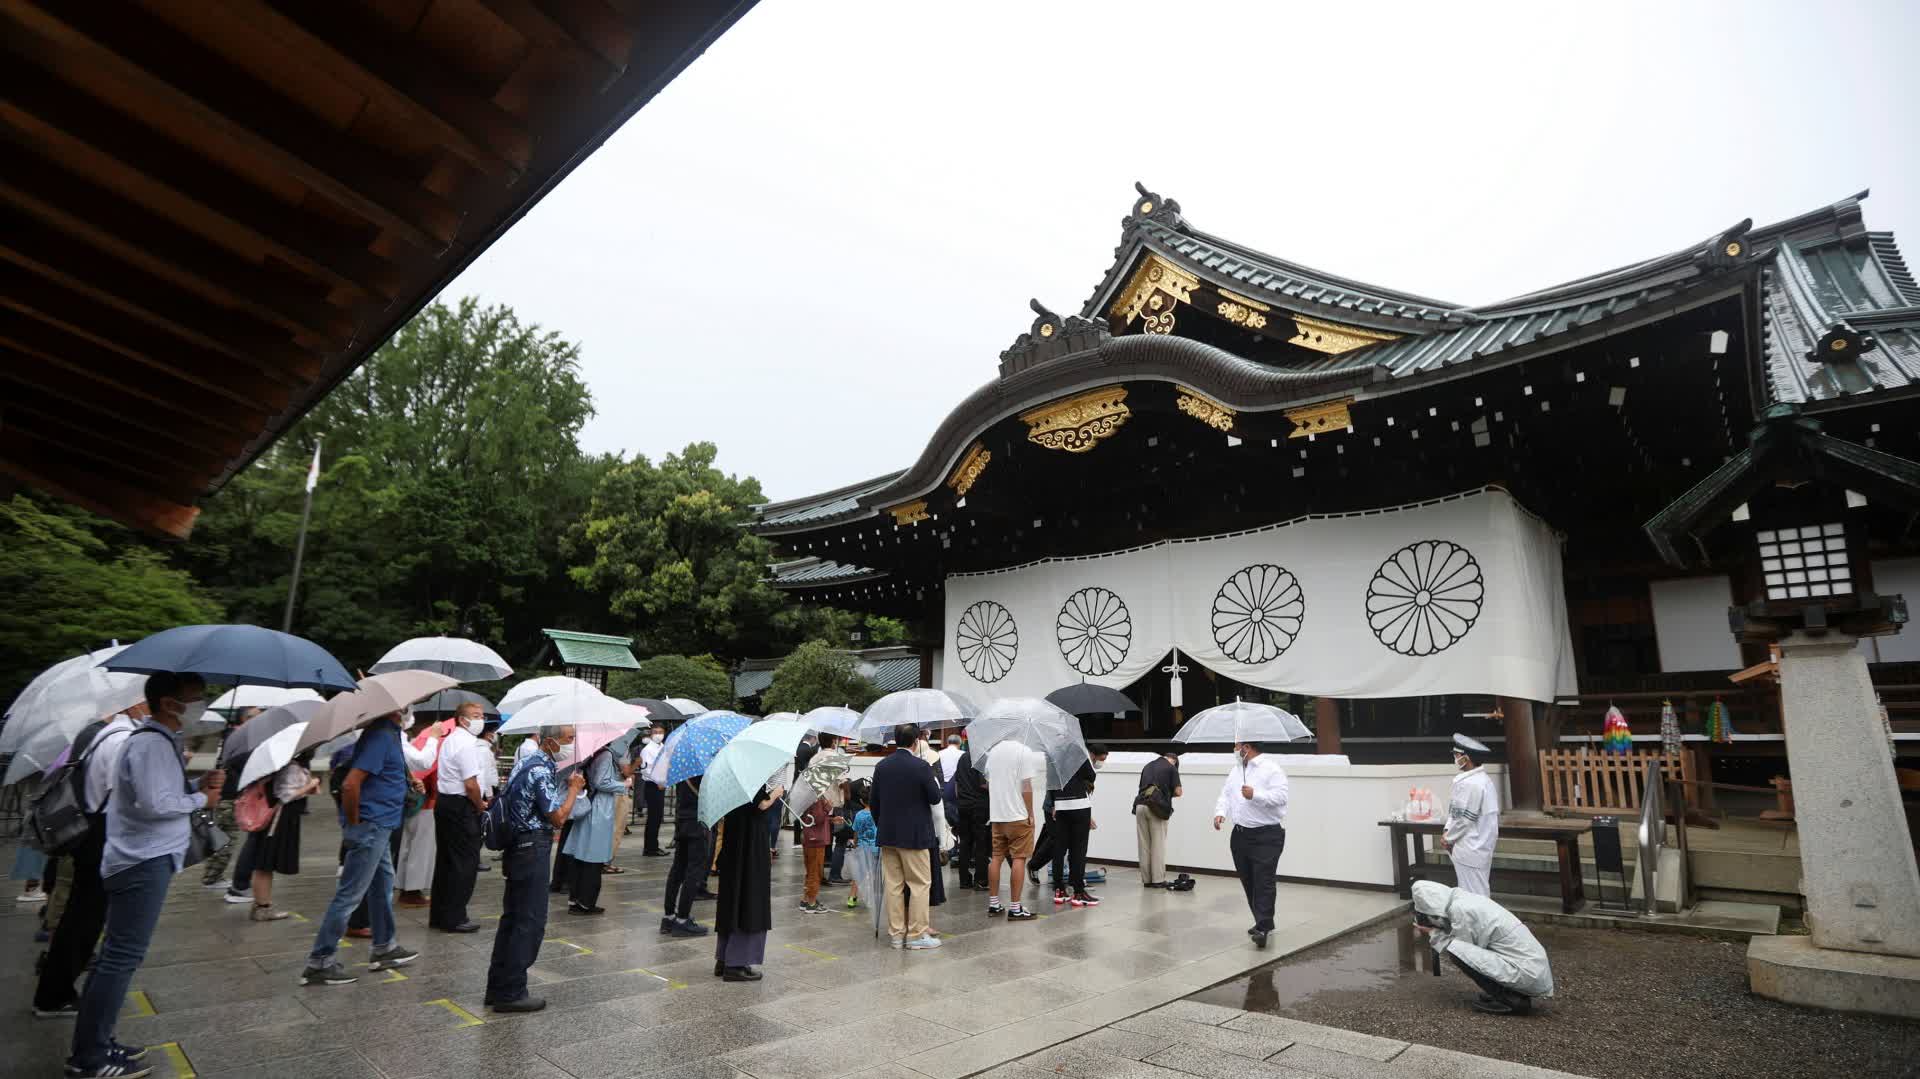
(35, 896)
(895, 942)
(239, 897)
(921, 944)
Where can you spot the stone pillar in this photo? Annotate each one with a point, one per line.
(1857, 866)
(1326, 724)
(1523, 753)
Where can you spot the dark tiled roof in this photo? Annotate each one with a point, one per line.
(820, 509)
(748, 683)
(593, 649)
(1810, 288)
(892, 675)
(814, 572)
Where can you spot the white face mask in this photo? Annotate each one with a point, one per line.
(476, 725)
(191, 711)
(1097, 765)
(1240, 754)
(656, 738)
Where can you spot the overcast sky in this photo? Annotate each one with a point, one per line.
(818, 239)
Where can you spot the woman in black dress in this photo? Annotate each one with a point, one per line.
(743, 914)
(277, 847)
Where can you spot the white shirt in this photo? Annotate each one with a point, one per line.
(1473, 818)
(648, 754)
(1269, 802)
(104, 761)
(1010, 766)
(949, 762)
(462, 757)
(528, 747)
(419, 760)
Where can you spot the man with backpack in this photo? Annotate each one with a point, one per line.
(521, 823)
(148, 829)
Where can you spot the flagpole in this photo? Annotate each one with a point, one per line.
(300, 545)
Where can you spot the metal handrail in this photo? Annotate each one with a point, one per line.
(1652, 834)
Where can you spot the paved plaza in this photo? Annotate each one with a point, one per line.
(1084, 992)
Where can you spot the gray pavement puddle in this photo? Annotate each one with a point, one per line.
(1370, 959)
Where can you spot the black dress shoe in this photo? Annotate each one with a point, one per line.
(653, 854)
(524, 1004)
(465, 927)
(719, 969)
(740, 974)
(1260, 940)
(704, 894)
(575, 908)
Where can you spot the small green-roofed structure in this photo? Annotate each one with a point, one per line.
(588, 656)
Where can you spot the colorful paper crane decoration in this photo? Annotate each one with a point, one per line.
(1616, 737)
(1719, 722)
(1669, 729)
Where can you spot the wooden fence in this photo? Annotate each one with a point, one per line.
(1588, 782)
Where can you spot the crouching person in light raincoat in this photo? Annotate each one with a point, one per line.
(1487, 942)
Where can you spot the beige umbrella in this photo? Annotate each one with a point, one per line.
(345, 712)
(377, 696)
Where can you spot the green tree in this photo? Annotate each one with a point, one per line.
(74, 582)
(668, 546)
(702, 678)
(814, 676)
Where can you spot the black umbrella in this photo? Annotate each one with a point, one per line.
(658, 712)
(446, 701)
(1086, 699)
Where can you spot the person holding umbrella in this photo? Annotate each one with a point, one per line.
(276, 848)
(535, 806)
(743, 914)
(1254, 798)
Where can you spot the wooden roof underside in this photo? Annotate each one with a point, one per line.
(211, 213)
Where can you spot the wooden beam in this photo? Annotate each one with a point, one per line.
(365, 55)
(32, 377)
(571, 28)
(185, 314)
(135, 340)
(122, 501)
(54, 122)
(170, 480)
(25, 342)
(178, 468)
(173, 71)
(80, 209)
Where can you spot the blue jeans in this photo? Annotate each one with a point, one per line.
(837, 861)
(367, 871)
(134, 898)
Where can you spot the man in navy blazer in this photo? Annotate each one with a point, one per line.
(904, 795)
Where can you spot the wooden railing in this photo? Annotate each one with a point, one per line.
(1589, 783)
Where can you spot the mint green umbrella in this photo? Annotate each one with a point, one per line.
(745, 763)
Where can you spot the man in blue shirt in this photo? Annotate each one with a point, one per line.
(535, 807)
(371, 800)
(148, 829)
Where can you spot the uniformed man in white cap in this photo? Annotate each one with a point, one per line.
(1473, 817)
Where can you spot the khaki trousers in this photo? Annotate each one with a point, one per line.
(622, 806)
(904, 869)
(1151, 832)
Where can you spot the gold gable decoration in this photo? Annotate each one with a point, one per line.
(1323, 418)
(909, 513)
(968, 471)
(1331, 337)
(1205, 409)
(1242, 311)
(1157, 287)
(1076, 424)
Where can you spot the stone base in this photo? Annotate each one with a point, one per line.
(1792, 969)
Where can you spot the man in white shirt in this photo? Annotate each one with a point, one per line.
(950, 758)
(1012, 771)
(1473, 817)
(461, 798)
(1254, 798)
(654, 793)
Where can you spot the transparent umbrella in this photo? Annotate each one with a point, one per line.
(535, 688)
(243, 697)
(864, 865)
(69, 695)
(1244, 721)
(1041, 727)
(932, 709)
(457, 657)
(686, 706)
(575, 708)
(820, 779)
(833, 719)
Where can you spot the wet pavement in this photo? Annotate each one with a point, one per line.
(1627, 1005)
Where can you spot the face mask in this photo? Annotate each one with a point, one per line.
(191, 711)
(475, 726)
(1097, 765)
(656, 738)
(1240, 754)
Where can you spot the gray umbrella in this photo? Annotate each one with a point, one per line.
(447, 701)
(659, 712)
(267, 724)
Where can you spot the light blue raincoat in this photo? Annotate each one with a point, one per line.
(592, 837)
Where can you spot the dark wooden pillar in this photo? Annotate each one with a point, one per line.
(1523, 752)
(1326, 724)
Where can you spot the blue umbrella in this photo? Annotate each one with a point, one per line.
(234, 655)
(699, 741)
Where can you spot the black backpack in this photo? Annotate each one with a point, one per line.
(58, 821)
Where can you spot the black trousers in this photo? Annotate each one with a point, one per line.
(656, 808)
(456, 860)
(243, 862)
(359, 919)
(584, 887)
(1071, 830)
(1489, 986)
(523, 918)
(1256, 857)
(562, 861)
(80, 925)
(691, 852)
(976, 844)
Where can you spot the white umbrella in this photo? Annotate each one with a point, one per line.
(1244, 721)
(779, 715)
(833, 719)
(69, 695)
(269, 723)
(272, 755)
(242, 697)
(1040, 726)
(685, 706)
(535, 688)
(574, 709)
(456, 657)
(932, 709)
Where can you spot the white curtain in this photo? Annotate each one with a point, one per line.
(1458, 595)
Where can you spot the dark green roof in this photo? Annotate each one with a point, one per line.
(593, 649)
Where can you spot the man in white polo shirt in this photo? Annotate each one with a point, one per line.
(1254, 798)
(464, 762)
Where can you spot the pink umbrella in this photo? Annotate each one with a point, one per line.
(587, 741)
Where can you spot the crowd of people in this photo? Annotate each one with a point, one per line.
(419, 811)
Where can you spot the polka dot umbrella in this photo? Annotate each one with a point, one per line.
(695, 744)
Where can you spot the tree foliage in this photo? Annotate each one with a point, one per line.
(74, 582)
(815, 676)
(701, 678)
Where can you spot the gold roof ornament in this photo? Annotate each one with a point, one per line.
(909, 513)
(1077, 424)
(968, 471)
(1242, 311)
(1334, 338)
(1205, 409)
(1153, 292)
(1320, 419)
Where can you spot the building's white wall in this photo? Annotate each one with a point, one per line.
(1690, 622)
